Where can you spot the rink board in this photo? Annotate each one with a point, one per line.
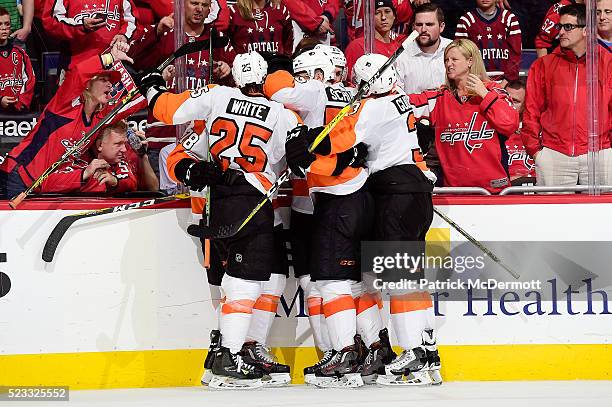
(126, 304)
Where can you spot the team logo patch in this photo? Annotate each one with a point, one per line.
(238, 258)
(471, 139)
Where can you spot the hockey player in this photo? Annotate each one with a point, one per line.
(339, 60)
(401, 186)
(247, 132)
(334, 249)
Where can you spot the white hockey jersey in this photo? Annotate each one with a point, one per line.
(317, 104)
(246, 133)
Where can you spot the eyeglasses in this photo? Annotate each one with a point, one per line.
(568, 27)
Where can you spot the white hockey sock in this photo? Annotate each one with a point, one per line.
(408, 316)
(236, 312)
(339, 310)
(264, 310)
(368, 304)
(316, 317)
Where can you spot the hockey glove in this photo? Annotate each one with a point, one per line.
(151, 85)
(324, 147)
(197, 174)
(296, 148)
(355, 157)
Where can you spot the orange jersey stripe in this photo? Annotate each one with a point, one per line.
(167, 105)
(277, 81)
(267, 302)
(343, 136)
(174, 157)
(263, 180)
(338, 304)
(315, 306)
(365, 302)
(197, 205)
(408, 303)
(317, 180)
(238, 306)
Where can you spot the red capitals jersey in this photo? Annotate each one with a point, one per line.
(270, 31)
(152, 49)
(520, 164)
(548, 35)
(61, 125)
(468, 135)
(498, 39)
(69, 179)
(16, 76)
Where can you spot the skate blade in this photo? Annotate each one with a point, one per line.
(277, 380)
(230, 383)
(370, 379)
(206, 378)
(436, 377)
(348, 381)
(413, 379)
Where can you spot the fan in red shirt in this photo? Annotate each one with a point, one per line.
(472, 117)
(262, 26)
(353, 9)
(312, 18)
(520, 164)
(548, 37)
(498, 35)
(106, 170)
(16, 76)
(80, 103)
(89, 28)
(385, 40)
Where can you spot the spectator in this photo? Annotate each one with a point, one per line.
(472, 117)
(79, 104)
(159, 43)
(385, 41)
(262, 26)
(20, 30)
(421, 66)
(520, 164)
(498, 35)
(548, 37)
(110, 171)
(355, 21)
(16, 76)
(555, 120)
(604, 22)
(87, 29)
(312, 18)
(166, 184)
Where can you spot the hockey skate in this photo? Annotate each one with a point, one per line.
(230, 371)
(342, 371)
(408, 369)
(433, 359)
(258, 355)
(215, 343)
(310, 371)
(379, 355)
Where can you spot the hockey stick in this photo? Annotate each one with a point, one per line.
(183, 50)
(225, 231)
(476, 243)
(62, 226)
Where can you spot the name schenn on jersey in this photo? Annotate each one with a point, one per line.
(248, 109)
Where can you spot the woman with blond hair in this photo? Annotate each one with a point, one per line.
(79, 104)
(260, 25)
(472, 116)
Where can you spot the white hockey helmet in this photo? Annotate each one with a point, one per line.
(365, 68)
(310, 61)
(337, 57)
(249, 68)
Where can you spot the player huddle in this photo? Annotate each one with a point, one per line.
(365, 181)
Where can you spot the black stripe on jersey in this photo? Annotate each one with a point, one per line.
(402, 104)
(248, 109)
(338, 95)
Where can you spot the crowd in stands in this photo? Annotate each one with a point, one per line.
(468, 54)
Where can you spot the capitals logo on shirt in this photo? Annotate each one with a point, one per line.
(471, 138)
